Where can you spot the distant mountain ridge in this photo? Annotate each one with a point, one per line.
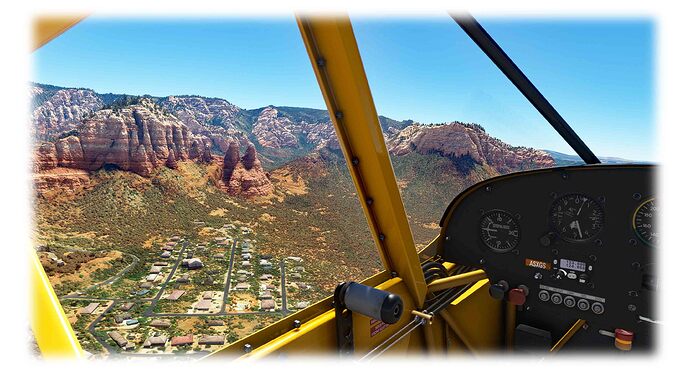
(563, 159)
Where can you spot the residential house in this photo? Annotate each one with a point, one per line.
(268, 305)
(89, 309)
(242, 286)
(194, 263)
(215, 322)
(160, 323)
(155, 269)
(126, 306)
(120, 340)
(212, 340)
(265, 295)
(155, 341)
(203, 305)
(184, 340)
(146, 285)
(122, 317)
(296, 276)
(175, 295)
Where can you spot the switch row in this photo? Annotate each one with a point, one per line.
(570, 302)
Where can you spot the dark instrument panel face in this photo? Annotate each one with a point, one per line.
(581, 240)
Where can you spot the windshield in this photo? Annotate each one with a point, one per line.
(190, 186)
(460, 120)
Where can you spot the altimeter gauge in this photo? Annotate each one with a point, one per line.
(576, 217)
(644, 222)
(499, 231)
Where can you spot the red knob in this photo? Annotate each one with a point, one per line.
(517, 296)
(624, 339)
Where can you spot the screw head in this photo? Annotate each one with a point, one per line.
(296, 324)
(632, 307)
(247, 348)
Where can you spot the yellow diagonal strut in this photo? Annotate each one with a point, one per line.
(51, 329)
(332, 49)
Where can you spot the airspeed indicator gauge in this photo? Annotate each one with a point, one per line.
(499, 231)
(576, 217)
(643, 222)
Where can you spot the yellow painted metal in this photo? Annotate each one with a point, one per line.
(49, 324)
(457, 280)
(477, 317)
(510, 317)
(285, 326)
(569, 334)
(52, 330)
(332, 49)
(47, 28)
(318, 335)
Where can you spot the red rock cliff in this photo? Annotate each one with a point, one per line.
(137, 138)
(245, 176)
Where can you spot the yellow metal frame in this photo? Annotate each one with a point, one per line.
(332, 49)
(52, 330)
(335, 58)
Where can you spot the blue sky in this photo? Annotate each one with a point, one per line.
(599, 73)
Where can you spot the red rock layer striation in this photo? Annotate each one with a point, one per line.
(245, 176)
(137, 138)
(459, 140)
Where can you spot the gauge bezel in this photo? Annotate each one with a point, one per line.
(557, 231)
(517, 224)
(634, 224)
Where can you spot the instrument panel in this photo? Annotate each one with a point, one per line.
(566, 243)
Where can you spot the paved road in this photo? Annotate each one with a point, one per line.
(106, 299)
(155, 300)
(283, 293)
(212, 314)
(227, 280)
(92, 330)
(112, 278)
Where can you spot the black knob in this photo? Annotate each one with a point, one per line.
(498, 290)
(546, 239)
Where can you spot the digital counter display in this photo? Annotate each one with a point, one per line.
(573, 265)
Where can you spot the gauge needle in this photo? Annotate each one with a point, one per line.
(583, 203)
(576, 225)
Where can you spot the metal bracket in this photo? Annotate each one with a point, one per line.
(343, 322)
